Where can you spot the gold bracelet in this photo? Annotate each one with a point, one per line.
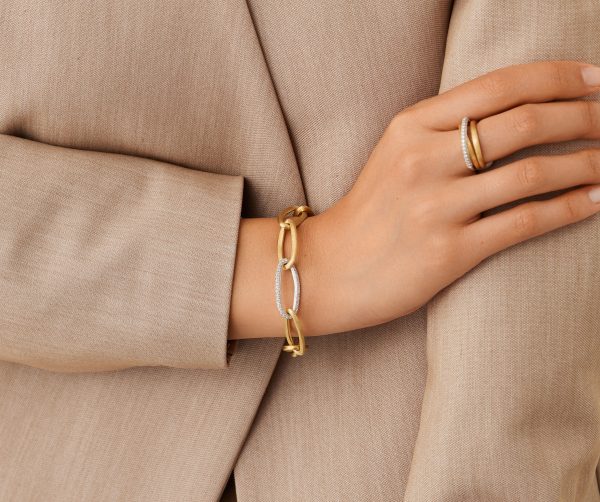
(290, 219)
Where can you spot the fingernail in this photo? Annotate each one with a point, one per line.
(594, 194)
(591, 75)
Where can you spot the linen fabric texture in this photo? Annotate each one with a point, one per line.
(134, 135)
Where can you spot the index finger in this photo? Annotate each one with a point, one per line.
(505, 88)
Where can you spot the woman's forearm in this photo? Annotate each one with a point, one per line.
(413, 222)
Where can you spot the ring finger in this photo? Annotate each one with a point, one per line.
(523, 178)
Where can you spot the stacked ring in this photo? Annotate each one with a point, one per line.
(471, 146)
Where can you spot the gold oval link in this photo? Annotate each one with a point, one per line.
(291, 343)
(297, 349)
(297, 214)
(286, 213)
(280, 241)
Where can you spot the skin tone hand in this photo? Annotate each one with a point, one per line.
(411, 224)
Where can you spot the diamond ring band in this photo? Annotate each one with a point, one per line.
(471, 146)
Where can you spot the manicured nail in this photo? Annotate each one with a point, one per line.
(594, 194)
(591, 75)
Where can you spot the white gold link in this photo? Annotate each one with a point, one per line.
(296, 279)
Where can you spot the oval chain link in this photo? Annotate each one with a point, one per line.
(289, 219)
(297, 349)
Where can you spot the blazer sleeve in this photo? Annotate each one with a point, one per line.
(110, 261)
(511, 409)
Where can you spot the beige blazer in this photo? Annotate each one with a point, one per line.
(135, 133)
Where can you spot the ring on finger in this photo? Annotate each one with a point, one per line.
(471, 146)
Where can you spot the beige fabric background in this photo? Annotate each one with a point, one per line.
(134, 136)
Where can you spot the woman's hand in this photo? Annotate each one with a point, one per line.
(412, 222)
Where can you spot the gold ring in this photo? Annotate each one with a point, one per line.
(476, 144)
(473, 155)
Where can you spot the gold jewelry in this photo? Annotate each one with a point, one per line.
(476, 144)
(289, 219)
(466, 146)
(297, 349)
(473, 155)
(471, 146)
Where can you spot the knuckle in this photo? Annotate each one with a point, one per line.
(411, 114)
(526, 221)
(531, 174)
(559, 75)
(497, 85)
(413, 109)
(403, 119)
(572, 209)
(591, 161)
(589, 115)
(525, 119)
(397, 121)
